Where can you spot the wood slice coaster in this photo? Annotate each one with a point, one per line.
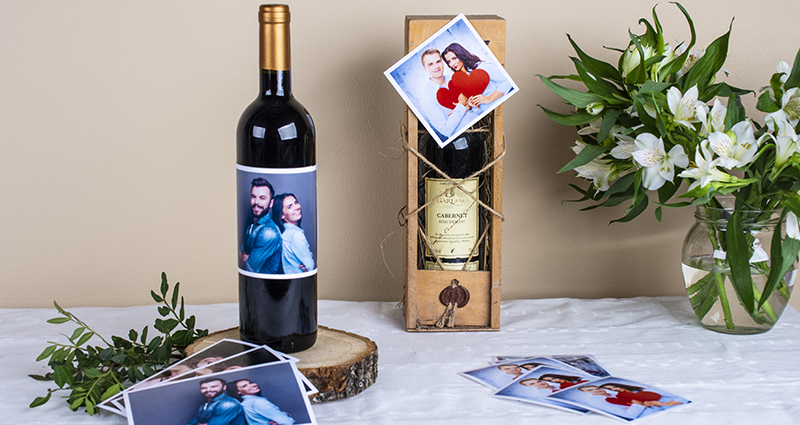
(340, 364)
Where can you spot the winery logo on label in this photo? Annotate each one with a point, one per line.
(277, 221)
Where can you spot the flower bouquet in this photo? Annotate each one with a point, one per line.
(659, 118)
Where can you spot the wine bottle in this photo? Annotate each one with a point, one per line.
(454, 221)
(277, 202)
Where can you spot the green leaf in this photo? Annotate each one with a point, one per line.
(144, 335)
(181, 312)
(599, 86)
(38, 377)
(163, 311)
(767, 104)
(596, 67)
(132, 335)
(739, 260)
(794, 79)
(111, 391)
(92, 372)
(77, 333)
(119, 358)
(106, 354)
(635, 211)
(704, 71)
(155, 296)
(586, 155)
(574, 97)
(58, 320)
(62, 376)
(58, 307)
(736, 112)
(164, 285)
(782, 259)
(578, 118)
(175, 296)
(86, 337)
(609, 119)
(38, 401)
(46, 353)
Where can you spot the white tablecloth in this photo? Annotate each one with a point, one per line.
(730, 379)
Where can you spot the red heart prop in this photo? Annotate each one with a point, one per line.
(461, 83)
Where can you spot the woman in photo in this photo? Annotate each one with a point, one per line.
(629, 394)
(565, 381)
(287, 214)
(257, 409)
(460, 59)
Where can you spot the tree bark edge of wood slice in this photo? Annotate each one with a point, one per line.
(340, 364)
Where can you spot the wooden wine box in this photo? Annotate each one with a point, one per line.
(424, 312)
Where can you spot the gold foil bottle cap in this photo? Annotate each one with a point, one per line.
(274, 37)
(274, 14)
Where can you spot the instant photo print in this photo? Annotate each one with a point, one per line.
(451, 80)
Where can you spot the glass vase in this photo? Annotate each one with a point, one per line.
(738, 304)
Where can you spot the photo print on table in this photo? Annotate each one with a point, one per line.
(501, 374)
(255, 394)
(621, 399)
(535, 386)
(211, 354)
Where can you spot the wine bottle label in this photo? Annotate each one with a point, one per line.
(277, 217)
(451, 223)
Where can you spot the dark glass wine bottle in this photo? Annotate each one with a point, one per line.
(454, 222)
(276, 144)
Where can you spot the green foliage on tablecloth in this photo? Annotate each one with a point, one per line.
(94, 373)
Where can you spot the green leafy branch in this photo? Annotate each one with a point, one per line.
(94, 373)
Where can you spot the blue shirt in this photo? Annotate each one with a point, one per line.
(296, 251)
(260, 411)
(262, 241)
(221, 410)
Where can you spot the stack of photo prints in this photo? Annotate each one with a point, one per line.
(231, 382)
(574, 383)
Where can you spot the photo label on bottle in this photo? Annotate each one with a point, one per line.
(277, 221)
(451, 223)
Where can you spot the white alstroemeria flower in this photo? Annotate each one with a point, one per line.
(669, 55)
(597, 170)
(789, 112)
(736, 147)
(659, 166)
(624, 148)
(705, 170)
(691, 60)
(631, 58)
(595, 108)
(684, 106)
(786, 69)
(715, 121)
(792, 227)
(785, 145)
(592, 128)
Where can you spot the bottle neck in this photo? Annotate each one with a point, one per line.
(275, 83)
(274, 50)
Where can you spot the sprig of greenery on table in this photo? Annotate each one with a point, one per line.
(93, 373)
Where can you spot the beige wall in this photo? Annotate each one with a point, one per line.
(117, 144)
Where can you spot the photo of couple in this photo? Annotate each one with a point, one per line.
(621, 399)
(272, 239)
(253, 395)
(237, 403)
(451, 80)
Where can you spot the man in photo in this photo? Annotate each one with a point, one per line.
(219, 408)
(444, 120)
(261, 247)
